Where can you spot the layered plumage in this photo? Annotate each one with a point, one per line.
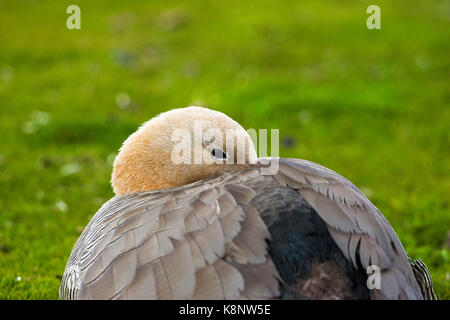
(304, 232)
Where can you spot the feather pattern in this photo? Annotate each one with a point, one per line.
(356, 225)
(171, 244)
(205, 241)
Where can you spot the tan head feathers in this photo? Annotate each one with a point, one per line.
(179, 147)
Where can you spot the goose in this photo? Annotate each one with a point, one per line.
(219, 228)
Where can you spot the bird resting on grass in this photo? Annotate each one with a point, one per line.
(220, 229)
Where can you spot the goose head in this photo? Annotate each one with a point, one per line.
(179, 147)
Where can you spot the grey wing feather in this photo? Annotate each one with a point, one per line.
(183, 243)
(204, 240)
(357, 226)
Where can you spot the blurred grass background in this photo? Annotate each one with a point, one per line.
(372, 105)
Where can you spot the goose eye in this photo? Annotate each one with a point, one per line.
(218, 154)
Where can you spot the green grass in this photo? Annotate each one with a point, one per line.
(372, 105)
